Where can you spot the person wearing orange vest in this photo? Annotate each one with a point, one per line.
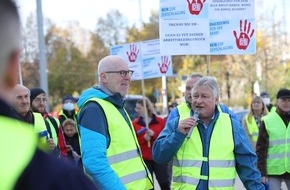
(273, 144)
(23, 164)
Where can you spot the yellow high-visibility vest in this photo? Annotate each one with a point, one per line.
(124, 153)
(19, 143)
(221, 160)
(278, 161)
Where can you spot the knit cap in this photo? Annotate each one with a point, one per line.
(35, 92)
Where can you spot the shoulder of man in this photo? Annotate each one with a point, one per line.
(55, 170)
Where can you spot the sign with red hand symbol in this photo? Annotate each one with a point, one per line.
(144, 59)
(207, 27)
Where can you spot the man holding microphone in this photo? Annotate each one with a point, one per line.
(217, 149)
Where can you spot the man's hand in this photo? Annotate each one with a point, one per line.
(50, 143)
(185, 125)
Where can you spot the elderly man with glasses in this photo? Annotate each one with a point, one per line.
(109, 147)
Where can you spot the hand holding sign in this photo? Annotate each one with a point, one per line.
(244, 39)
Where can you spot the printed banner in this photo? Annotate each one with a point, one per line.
(144, 59)
(207, 27)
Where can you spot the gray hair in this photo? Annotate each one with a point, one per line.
(209, 82)
(23, 87)
(9, 31)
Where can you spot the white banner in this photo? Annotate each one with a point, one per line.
(207, 27)
(144, 59)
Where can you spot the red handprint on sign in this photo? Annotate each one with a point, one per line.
(195, 6)
(244, 39)
(132, 56)
(164, 65)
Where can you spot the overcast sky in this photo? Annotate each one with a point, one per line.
(86, 12)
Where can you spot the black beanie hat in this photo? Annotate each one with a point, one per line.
(283, 93)
(35, 92)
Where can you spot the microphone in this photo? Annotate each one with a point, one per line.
(195, 117)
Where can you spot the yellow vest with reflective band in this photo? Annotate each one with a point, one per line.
(221, 160)
(278, 158)
(53, 132)
(124, 153)
(39, 126)
(184, 111)
(61, 113)
(18, 144)
(252, 128)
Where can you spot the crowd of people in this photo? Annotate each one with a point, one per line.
(200, 145)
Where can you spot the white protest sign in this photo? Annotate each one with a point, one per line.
(144, 59)
(205, 27)
(155, 65)
(132, 55)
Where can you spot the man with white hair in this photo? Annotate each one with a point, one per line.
(23, 165)
(209, 148)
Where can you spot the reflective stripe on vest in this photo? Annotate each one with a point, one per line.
(39, 123)
(18, 143)
(222, 173)
(124, 152)
(252, 128)
(278, 161)
(53, 129)
(39, 127)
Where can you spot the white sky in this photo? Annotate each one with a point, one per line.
(87, 12)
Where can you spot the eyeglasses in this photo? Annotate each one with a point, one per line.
(123, 73)
(38, 100)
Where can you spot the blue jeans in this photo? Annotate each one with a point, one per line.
(275, 183)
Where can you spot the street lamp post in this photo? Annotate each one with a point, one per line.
(42, 52)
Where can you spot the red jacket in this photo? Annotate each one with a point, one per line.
(156, 124)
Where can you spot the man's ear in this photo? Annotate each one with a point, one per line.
(11, 74)
(104, 78)
(217, 100)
